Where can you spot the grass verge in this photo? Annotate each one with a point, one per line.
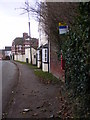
(20, 62)
(45, 77)
(31, 66)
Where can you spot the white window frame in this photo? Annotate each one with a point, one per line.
(45, 55)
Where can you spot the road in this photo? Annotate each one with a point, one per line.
(9, 80)
(0, 89)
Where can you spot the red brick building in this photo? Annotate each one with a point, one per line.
(20, 43)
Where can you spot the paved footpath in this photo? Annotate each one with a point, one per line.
(33, 99)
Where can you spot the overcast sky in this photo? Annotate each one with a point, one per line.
(12, 24)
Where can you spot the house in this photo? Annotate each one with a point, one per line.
(42, 57)
(31, 51)
(53, 64)
(17, 48)
(8, 53)
(2, 54)
(42, 51)
(24, 49)
(47, 58)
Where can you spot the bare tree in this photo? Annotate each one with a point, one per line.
(50, 14)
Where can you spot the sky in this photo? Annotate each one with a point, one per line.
(12, 24)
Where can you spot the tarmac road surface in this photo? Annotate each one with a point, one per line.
(0, 89)
(9, 80)
(34, 99)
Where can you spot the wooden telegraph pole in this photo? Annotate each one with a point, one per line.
(27, 9)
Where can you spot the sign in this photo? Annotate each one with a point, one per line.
(63, 28)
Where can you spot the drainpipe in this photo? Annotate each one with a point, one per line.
(48, 55)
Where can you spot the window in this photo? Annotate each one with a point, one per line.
(20, 46)
(45, 55)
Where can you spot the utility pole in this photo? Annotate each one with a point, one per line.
(27, 4)
(27, 9)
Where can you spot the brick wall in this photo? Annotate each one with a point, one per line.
(55, 64)
(55, 68)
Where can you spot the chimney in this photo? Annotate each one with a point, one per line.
(25, 36)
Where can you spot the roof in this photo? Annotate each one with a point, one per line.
(43, 46)
(18, 41)
(7, 48)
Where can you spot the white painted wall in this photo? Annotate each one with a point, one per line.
(34, 56)
(27, 54)
(42, 36)
(45, 67)
(20, 57)
(16, 57)
(38, 64)
(7, 53)
(23, 58)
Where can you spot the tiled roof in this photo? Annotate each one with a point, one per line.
(18, 41)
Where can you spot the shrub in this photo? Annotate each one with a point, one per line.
(76, 53)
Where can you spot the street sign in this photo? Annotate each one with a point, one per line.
(63, 28)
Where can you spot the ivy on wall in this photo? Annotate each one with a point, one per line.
(76, 54)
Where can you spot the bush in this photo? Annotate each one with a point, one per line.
(76, 53)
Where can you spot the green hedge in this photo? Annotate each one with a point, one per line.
(76, 54)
